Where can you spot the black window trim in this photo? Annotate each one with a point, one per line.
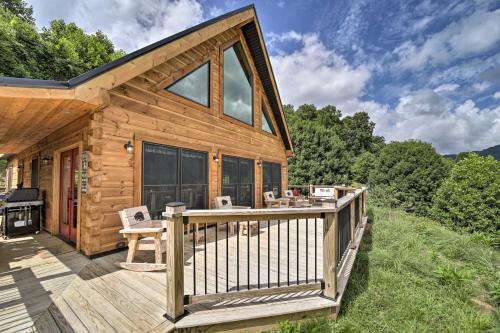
(263, 110)
(253, 177)
(208, 62)
(178, 192)
(252, 84)
(37, 172)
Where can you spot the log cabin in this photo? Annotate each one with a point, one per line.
(188, 118)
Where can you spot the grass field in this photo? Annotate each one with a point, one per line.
(413, 275)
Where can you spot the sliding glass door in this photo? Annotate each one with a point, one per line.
(173, 174)
(238, 180)
(271, 178)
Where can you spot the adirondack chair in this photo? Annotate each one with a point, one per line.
(142, 233)
(225, 203)
(272, 202)
(296, 200)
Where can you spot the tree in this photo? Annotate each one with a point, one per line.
(59, 52)
(407, 175)
(469, 199)
(362, 166)
(357, 133)
(20, 9)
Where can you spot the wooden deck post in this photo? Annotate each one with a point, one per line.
(330, 230)
(352, 207)
(175, 267)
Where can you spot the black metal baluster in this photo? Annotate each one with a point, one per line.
(279, 252)
(227, 256)
(307, 250)
(297, 251)
(315, 250)
(258, 254)
(238, 255)
(194, 261)
(216, 263)
(268, 253)
(248, 255)
(205, 259)
(288, 252)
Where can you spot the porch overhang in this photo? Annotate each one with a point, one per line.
(27, 115)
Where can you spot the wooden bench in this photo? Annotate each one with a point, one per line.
(143, 234)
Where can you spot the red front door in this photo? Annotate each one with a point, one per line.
(68, 202)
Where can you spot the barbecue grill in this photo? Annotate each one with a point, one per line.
(21, 213)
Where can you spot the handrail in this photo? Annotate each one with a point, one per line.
(338, 225)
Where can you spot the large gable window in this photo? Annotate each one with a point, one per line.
(194, 86)
(238, 92)
(266, 120)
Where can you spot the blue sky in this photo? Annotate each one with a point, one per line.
(428, 70)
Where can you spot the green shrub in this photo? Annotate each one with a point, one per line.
(469, 199)
(452, 275)
(362, 166)
(407, 175)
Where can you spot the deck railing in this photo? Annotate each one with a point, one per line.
(289, 250)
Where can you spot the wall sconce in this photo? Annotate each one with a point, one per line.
(129, 147)
(20, 165)
(259, 163)
(283, 166)
(46, 160)
(216, 157)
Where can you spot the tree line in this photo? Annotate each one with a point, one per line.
(463, 194)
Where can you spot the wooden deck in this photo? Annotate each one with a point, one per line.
(45, 286)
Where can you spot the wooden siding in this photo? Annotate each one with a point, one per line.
(140, 110)
(71, 136)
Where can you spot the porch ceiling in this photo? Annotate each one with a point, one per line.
(25, 121)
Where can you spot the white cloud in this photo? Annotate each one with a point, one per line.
(480, 86)
(447, 88)
(432, 117)
(476, 33)
(129, 24)
(497, 95)
(316, 74)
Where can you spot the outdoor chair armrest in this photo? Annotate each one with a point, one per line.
(241, 207)
(140, 230)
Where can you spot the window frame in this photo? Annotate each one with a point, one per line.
(208, 62)
(265, 114)
(179, 184)
(252, 82)
(239, 158)
(37, 172)
(271, 163)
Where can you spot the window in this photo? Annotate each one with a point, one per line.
(271, 178)
(266, 120)
(34, 172)
(194, 86)
(238, 92)
(238, 180)
(173, 174)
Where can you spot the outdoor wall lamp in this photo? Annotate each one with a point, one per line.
(216, 157)
(46, 160)
(129, 147)
(259, 163)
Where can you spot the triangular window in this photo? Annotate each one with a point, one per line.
(194, 86)
(266, 121)
(238, 85)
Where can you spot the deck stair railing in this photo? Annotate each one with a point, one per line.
(284, 250)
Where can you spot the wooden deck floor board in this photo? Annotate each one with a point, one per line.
(46, 285)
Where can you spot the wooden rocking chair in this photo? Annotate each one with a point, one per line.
(272, 202)
(225, 203)
(142, 233)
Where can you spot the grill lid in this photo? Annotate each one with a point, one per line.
(22, 194)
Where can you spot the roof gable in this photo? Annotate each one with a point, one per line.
(92, 86)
